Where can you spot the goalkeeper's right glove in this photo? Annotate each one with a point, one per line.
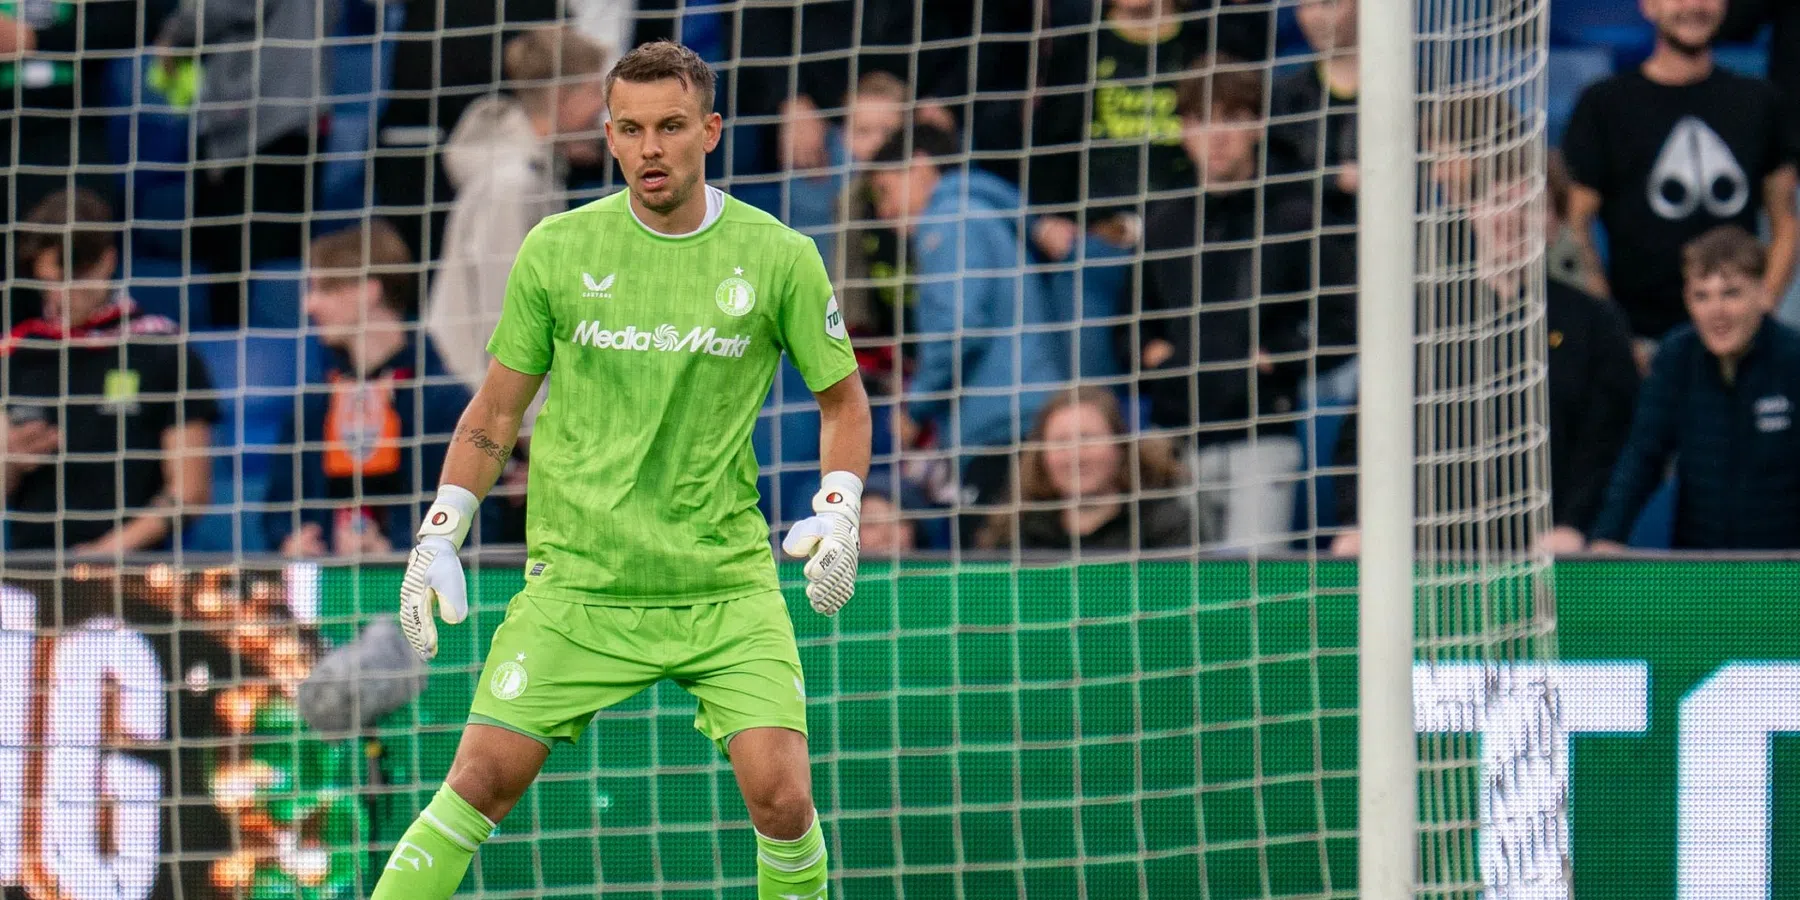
(434, 584)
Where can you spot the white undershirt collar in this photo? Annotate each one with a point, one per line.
(715, 207)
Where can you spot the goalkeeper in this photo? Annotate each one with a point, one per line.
(659, 314)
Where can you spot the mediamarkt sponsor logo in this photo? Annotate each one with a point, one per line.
(664, 338)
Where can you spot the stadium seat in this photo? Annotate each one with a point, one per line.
(276, 293)
(1751, 60)
(1655, 525)
(153, 139)
(1315, 495)
(258, 377)
(1569, 71)
(362, 70)
(217, 532)
(161, 287)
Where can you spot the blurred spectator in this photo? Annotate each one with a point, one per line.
(885, 529)
(1083, 482)
(1108, 109)
(1204, 339)
(1593, 380)
(264, 68)
(50, 127)
(374, 437)
(1719, 402)
(445, 58)
(109, 418)
(507, 159)
(834, 203)
(836, 40)
(976, 302)
(1312, 163)
(1314, 109)
(1667, 152)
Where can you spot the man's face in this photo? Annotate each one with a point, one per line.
(1502, 222)
(73, 300)
(1328, 24)
(883, 529)
(660, 136)
(901, 194)
(1223, 147)
(872, 120)
(337, 308)
(1727, 309)
(1687, 25)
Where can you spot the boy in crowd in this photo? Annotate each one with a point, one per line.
(1206, 332)
(376, 430)
(1719, 402)
(1592, 377)
(109, 414)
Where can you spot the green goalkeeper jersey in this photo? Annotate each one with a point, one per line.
(660, 352)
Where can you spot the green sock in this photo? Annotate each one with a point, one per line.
(792, 870)
(432, 856)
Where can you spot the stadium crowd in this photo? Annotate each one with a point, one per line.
(1098, 258)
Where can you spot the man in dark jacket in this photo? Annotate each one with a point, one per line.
(1211, 324)
(1592, 377)
(376, 431)
(1720, 402)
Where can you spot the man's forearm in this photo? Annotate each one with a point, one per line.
(479, 449)
(844, 439)
(1782, 236)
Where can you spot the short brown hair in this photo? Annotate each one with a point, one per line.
(375, 252)
(77, 226)
(536, 60)
(1725, 250)
(879, 83)
(658, 60)
(1501, 145)
(1217, 86)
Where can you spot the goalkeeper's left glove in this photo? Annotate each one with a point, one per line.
(829, 537)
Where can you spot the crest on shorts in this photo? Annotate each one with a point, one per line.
(734, 295)
(509, 679)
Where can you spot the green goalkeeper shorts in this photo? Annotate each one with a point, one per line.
(554, 664)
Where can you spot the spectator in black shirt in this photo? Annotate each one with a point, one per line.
(1719, 402)
(1206, 337)
(1109, 111)
(799, 61)
(111, 403)
(1312, 130)
(1665, 153)
(1083, 484)
(43, 92)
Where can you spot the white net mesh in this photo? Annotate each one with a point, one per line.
(1100, 648)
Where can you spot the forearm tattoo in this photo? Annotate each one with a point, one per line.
(493, 449)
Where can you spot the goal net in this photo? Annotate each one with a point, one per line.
(1099, 261)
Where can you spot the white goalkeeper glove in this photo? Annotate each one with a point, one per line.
(434, 584)
(830, 538)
